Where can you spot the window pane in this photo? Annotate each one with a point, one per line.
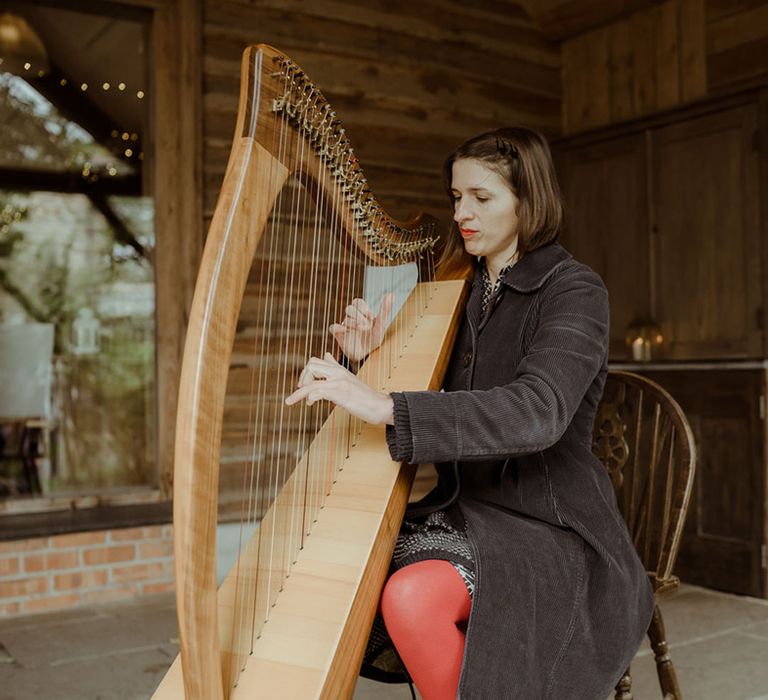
(77, 240)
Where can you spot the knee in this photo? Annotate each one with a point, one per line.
(426, 590)
(403, 588)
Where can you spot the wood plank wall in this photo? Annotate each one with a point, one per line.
(737, 42)
(651, 60)
(670, 54)
(410, 80)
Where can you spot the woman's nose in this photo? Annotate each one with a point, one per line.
(461, 213)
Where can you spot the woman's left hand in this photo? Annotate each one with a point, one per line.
(327, 379)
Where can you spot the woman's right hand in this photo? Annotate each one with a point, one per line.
(361, 332)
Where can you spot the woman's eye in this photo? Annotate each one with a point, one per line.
(482, 199)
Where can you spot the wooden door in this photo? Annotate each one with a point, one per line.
(724, 538)
(706, 236)
(604, 185)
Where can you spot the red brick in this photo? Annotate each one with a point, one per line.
(141, 572)
(9, 566)
(153, 588)
(152, 550)
(109, 555)
(56, 602)
(53, 561)
(150, 532)
(15, 546)
(90, 578)
(62, 560)
(8, 609)
(108, 595)
(78, 539)
(24, 586)
(34, 563)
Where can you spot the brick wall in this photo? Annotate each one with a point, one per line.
(67, 571)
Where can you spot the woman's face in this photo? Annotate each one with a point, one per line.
(485, 209)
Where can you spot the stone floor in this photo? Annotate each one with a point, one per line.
(719, 643)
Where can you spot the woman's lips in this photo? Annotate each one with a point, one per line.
(467, 232)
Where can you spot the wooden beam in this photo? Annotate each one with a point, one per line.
(122, 233)
(177, 176)
(564, 19)
(68, 182)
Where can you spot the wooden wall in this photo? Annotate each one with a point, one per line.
(737, 43)
(410, 80)
(657, 58)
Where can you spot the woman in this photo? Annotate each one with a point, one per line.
(523, 528)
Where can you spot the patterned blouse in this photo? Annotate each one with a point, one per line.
(489, 290)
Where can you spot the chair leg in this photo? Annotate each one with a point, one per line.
(624, 687)
(670, 688)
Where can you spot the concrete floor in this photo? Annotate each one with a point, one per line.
(719, 644)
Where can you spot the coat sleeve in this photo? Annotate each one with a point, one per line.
(567, 351)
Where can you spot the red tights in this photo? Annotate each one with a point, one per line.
(425, 608)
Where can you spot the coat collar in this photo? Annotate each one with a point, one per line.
(535, 267)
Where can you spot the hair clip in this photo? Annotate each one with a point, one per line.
(505, 147)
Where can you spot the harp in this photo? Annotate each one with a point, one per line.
(296, 234)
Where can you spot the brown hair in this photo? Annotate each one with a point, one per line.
(522, 157)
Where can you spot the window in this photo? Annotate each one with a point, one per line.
(77, 269)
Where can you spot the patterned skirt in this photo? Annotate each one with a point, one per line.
(438, 536)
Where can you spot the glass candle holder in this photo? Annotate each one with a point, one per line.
(644, 340)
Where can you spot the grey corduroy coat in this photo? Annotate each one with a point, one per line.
(562, 601)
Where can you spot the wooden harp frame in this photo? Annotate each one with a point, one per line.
(312, 645)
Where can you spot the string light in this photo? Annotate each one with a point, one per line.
(41, 72)
(125, 136)
(10, 215)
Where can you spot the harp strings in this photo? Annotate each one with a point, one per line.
(305, 276)
(246, 579)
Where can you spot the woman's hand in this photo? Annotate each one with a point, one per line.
(361, 332)
(327, 379)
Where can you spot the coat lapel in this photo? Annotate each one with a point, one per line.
(535, 267)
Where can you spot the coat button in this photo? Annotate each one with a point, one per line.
(467, 358)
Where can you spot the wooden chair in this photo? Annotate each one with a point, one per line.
(643, 438)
